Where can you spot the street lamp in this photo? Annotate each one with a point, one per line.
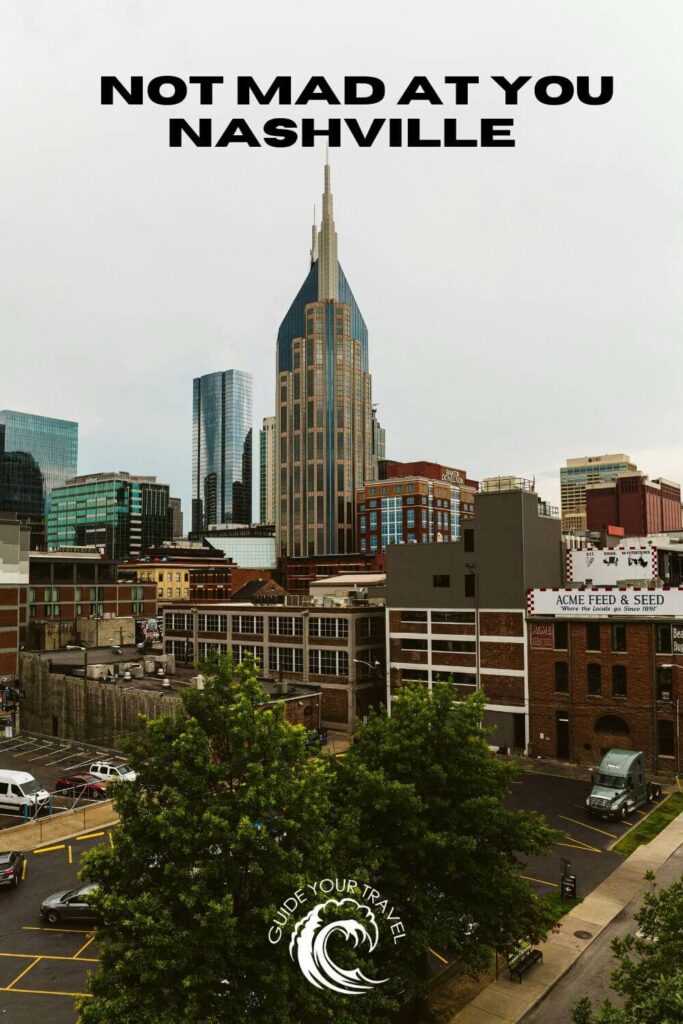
(672, 666)
(374, 666)
(477, 668)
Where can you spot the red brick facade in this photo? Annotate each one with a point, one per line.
(12, 626)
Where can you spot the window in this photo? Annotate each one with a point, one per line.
(618, 636)
(592, 636)
(561, 677)
(560, 636)
(210, 652)
(241, 651)
(663, 638)
(373, 544)
(468, 540)
(362, 524)
(410, 501)
(413, 616)
(285, 625)
(665, 738)
(612, 723)
(412, 643)
(247, 624)
(212, 623)
(469, 585)
(328, 663)
(178, 622)
(664, 683)
(594, 679)
(442, 580)
(460, 646)
(328, 626)
(373, 520)
(285, 659)
(461, 618)
(619, 681)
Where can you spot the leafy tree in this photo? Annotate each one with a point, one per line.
(228, 816)
(423, 810)
(649, 972)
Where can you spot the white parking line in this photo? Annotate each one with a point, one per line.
(67, 757)
(49, 753)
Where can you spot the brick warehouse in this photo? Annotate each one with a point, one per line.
(600, 679)
(332, 645)
(456, 611)
(14, 553)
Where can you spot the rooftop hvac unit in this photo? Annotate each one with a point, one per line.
(281, 688)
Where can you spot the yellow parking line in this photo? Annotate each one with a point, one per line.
(584, 847)
(584, 824)
(83, 947)
(25, 971)
(91, 835)
(437, 955)
(45, 956)
(542, 881)
(47, 992)
(111, 841)
(49, 849)
(56, 931)
(71, 858)
(24, 870)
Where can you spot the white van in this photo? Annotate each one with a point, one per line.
(17, 789)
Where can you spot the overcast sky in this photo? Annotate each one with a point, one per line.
(523, 305)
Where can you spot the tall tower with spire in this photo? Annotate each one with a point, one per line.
(323, 404)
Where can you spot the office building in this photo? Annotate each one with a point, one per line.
(578, 474)
(123, 515)
(221, 449)
(638, 505)
(299, 574)
(379, 444)
(456, 612)
(605, 668)
(406, 510)
(53, 445)
(323, 405)
(390, 469)
(14, 578)
(268, 469)
(175, 512)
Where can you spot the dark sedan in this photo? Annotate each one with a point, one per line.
(82, 785)
(11, 867)
(71, 905)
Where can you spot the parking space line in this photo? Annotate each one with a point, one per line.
(49, 849)
(44, 956)
(43, 753)
(69, 854)
(55, 931)
(24, 869)
(111, 841)
(437, 955)
(584, 847)
(584, 824)
(36, 960)
(85, 945)
(541, 881)
(90, 835)
(47, 992)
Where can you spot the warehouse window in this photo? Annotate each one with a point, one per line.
(561, 677)
(619, 681)
(594, 674)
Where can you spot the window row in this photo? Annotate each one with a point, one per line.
(450, 618)
(593, 679)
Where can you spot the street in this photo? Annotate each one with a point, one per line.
(590, 974)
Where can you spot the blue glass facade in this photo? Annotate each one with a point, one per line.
(221, 449)
(52, 444)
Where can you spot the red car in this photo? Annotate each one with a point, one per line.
(82, 785)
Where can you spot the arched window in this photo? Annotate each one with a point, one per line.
(612, 724)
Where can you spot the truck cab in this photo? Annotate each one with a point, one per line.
(619, 785)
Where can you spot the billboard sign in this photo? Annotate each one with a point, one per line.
(605, 567)
(665, 601)
(676, 640)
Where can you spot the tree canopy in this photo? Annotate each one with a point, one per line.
(230, 814)
(649, 972)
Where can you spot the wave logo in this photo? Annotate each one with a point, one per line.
(309, 946)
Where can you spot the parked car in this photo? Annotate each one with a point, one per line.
(19, 789)
(90, 786)
(70, 905)
(110, 771)
(11, 868)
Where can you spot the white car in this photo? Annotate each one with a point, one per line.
(111, 771)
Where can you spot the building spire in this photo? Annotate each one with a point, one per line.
(314, 239)
(328, 269)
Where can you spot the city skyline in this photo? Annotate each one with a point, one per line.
(487, 261)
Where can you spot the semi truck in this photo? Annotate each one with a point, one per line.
(620, 785)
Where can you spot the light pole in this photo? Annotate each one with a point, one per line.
(474, 572)
(76, 647)
(372, 665)
(672, 666)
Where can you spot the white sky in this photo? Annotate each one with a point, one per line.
(524, 305)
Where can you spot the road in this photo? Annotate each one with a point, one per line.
(590, 974)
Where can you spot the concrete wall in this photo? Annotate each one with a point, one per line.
(103, 632)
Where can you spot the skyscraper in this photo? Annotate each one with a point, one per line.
(268, 468)
(221, 449)
(52, 443)
(324, 405)
(577, 474)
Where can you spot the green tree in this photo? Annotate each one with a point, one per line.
(228, 816)
(649, 972)
(423, 811)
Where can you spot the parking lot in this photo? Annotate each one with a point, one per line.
(43, 969)
(47, 760)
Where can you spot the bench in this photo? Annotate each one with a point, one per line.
(522, 959)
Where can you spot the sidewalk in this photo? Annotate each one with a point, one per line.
(506, 1001)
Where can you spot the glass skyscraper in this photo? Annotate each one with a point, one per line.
(53, 445)
(324, 406)
(221, 449)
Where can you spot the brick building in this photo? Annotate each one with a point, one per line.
(456, 612)
(605, 671)
(14, 555)
(297, 574)
(183, 572)
(640, 506)
(406, 510)
(334, 645)
(390, 469)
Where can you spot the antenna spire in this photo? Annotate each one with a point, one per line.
(328, 268)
